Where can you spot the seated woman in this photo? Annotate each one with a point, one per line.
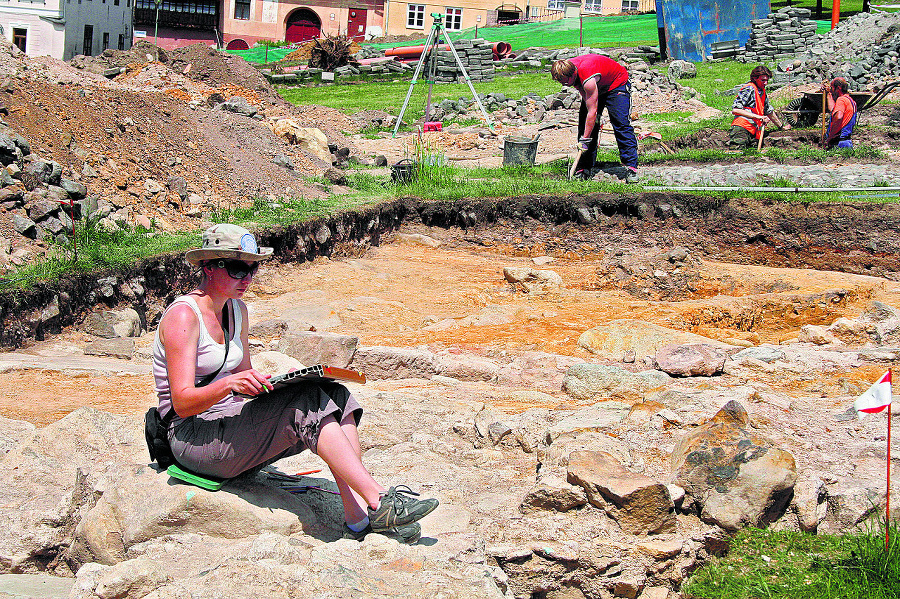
(201, 376)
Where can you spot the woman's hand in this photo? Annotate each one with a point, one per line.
(249, 382)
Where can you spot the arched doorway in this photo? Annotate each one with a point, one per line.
(302, 25)
(237, 44)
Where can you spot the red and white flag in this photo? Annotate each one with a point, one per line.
(876, 399)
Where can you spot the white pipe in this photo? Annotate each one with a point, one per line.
(768, 189)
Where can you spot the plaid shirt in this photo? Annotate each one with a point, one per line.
(745, 100)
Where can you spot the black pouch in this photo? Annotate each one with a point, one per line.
(156, 435)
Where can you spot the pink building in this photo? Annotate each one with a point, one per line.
(240, 24)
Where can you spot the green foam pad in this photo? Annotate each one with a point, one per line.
(210, 484)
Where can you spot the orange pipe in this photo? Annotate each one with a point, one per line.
(501, 49)
(835, 13)
(410, 51)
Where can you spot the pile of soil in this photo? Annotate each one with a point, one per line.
(155, 125)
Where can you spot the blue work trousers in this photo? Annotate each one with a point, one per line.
(618, 104)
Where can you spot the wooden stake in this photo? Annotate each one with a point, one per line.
(824, 108)
(762, 133)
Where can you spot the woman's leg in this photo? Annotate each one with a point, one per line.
(356, 512)
(342, 456)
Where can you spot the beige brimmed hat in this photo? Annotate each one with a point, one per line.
(228, 241)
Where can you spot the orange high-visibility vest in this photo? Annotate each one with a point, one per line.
(759, 108)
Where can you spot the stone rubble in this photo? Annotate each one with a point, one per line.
(534, 501)
(863, 49)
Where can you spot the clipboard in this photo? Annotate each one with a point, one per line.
(318, 371)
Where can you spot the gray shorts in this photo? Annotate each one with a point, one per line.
(243, 436)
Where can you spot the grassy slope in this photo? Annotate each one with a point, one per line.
(604, 32)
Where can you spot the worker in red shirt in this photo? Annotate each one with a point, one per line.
(602, 83)
(843, 115)
(751, 110)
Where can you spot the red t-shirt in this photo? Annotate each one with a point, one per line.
(610, 73)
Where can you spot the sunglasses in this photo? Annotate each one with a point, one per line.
(235, 268)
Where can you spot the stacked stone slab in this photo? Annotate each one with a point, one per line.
(780, 35)
(476, 55)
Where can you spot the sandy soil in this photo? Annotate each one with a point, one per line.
(384, 301)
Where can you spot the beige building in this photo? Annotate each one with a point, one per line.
(408, 18)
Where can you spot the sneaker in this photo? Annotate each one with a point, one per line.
(398, 507)
(582, 174)
(408, 534)
(631, 174)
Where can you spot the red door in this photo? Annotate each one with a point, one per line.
(302, 25)
(356, 24)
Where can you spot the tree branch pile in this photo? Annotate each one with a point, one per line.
(331, 52)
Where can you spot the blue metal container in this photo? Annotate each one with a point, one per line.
(693, 26)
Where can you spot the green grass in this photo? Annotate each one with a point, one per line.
(603, 32)
(451, 183)
(794, 565)
(778, 155)
(389, 95)
(848, 7)
(99, 249)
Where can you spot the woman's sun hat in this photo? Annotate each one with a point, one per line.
(228, 241)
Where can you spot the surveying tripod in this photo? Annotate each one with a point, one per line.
(429, 54)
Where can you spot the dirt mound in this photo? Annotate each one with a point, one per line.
(301, 53)
(330, 121)
(141, 52)
(219, 69)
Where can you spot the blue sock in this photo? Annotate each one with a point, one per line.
(359, 525)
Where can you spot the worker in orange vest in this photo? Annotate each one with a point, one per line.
(751, 110)
(843, 114)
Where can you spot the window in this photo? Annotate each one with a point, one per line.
(115, 2)
(121, 41)
(595, 6)
(415, 16)
(20, 38)
(556, 4)
(629, 5)
(454, 18)
(87, 48)
(105, 40)
(242, 9)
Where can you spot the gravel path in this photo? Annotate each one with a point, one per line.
(814, 175)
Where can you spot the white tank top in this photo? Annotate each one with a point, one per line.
(210, 354)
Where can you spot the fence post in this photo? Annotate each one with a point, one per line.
(580, 29)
